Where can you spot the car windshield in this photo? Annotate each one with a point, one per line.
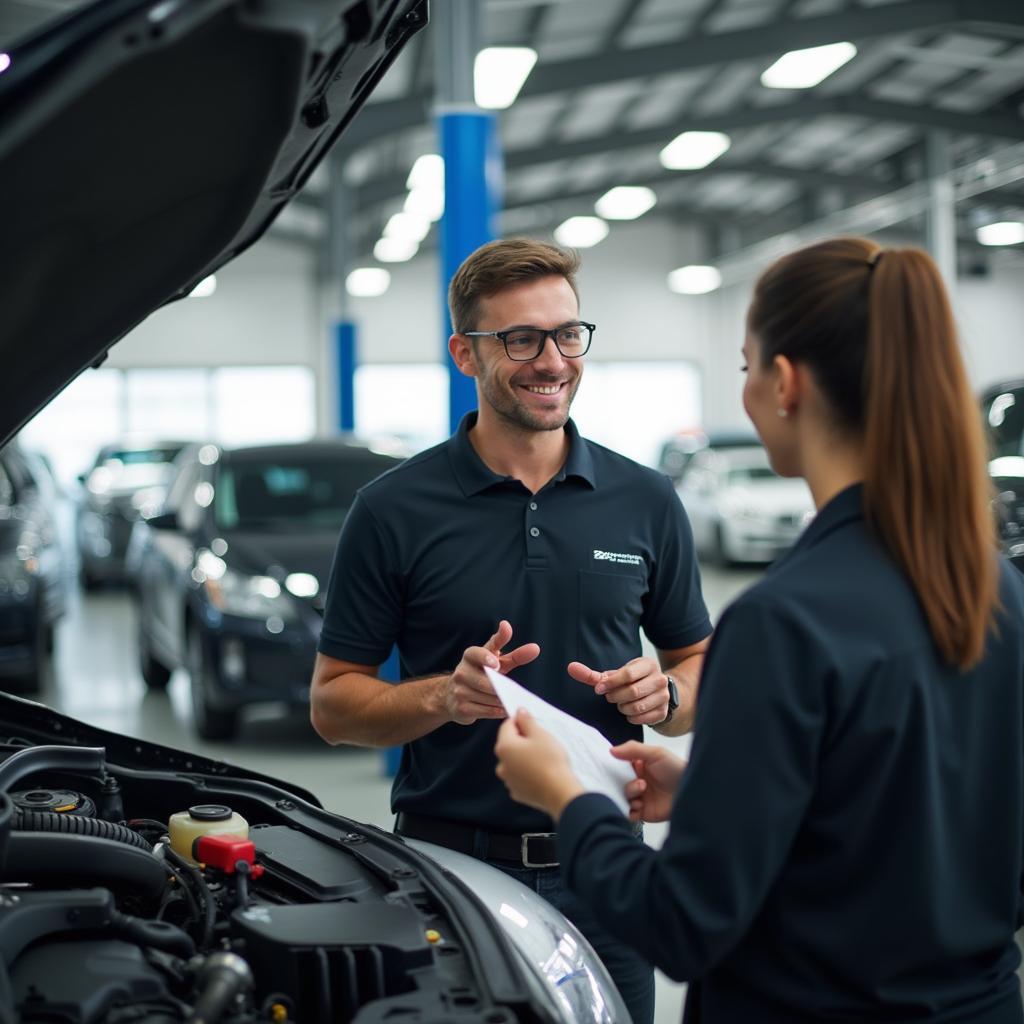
(313, 492)
(141, 456)
(748, 473)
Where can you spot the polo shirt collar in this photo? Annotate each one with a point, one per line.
(474, 476)
(843, 508)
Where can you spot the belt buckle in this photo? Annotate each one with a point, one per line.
(524, 849)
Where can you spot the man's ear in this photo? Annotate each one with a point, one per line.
(462, 353)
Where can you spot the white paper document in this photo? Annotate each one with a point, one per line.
(587, 748)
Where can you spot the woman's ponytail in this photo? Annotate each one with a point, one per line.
(876, 328)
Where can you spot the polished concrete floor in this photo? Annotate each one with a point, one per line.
(96, 678)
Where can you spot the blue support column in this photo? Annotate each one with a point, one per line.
(347, 360)
(472, 185)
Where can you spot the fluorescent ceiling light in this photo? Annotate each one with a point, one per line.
(1005, 232)
(425, 202)
(499, 73)
(5, 62)
(625, 202)
(804, 69)
(693, 150)
(412, 226)
(205, 288)
(694, 280)
(367, 282)
(395, 250)
(427, 172)
(581, 232)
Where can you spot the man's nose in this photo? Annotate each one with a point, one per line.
(550, 359)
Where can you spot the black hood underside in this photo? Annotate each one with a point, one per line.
(145, 144)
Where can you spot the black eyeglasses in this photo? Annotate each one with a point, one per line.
(525, 343)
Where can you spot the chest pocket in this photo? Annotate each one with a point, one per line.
(611, 605)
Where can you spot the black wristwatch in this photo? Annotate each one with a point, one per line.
(673, 700)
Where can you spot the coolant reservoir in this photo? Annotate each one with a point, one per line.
(204, 820)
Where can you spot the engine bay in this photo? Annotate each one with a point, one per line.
(133, 894)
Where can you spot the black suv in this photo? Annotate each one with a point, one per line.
(32, 581)
(230, 579)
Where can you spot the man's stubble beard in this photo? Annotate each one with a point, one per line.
(513, 412)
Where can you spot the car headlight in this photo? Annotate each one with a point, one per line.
(239, 593)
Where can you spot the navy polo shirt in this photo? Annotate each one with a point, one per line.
(437, 551)
(846, 842)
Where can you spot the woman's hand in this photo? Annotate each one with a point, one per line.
(534, 766)
(658, 773)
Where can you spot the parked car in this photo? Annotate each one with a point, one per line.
(740, 509)
(124, 479)
(1003, 410)
(231, 577)
(32, 579)
(121, 194)
(680, 448)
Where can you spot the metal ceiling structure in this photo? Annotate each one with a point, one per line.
(617, 80)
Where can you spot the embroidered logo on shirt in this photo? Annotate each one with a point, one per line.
(618, 557)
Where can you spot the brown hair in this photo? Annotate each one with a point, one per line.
(497, 265)
(876, 328)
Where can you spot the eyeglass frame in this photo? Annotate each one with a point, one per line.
(502, 336)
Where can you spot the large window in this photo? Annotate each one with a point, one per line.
(407, 401)
(231, 405)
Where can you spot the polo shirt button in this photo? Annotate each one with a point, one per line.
(534, 532)
(533, 506)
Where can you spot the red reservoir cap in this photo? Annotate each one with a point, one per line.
(224, 852)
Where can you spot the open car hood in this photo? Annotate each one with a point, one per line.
(144, 143)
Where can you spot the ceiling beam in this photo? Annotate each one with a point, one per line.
(705, 49)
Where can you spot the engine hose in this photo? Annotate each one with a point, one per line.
(70, 860)
(73, 824)
(222, 977)
(209, 907)
(6, 821)
(50, 759)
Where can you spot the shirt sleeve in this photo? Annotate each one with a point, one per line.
(363, 611)
(760, 719)
(675, 614)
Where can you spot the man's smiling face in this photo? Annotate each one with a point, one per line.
(533, 395)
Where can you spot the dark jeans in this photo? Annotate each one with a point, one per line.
(633, 976)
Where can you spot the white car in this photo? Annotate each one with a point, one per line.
(741, 510)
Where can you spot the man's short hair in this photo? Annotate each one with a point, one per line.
(499, 265)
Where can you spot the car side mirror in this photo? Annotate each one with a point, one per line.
(164, 521)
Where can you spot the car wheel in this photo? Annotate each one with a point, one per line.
(211, 723)
(155, 674)
(720, 549)
(32, 681)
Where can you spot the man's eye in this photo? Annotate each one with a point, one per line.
(570, 335)
(522, 339)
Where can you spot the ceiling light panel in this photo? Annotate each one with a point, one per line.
(499, 73)
(691, 151)
(694, 280)
(581, 232)
(1006, 232)
(367, 282)
(804, 69)
(625, 202)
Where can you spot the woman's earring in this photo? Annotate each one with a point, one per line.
(782, 412)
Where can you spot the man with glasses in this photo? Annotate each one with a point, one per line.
(516, 522)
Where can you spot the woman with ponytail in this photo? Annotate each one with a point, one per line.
(847, 841)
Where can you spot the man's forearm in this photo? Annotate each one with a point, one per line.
(366, 711)
(687, 677)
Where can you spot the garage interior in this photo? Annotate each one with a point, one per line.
(334, 320)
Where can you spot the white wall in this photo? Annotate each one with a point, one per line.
(268, 310)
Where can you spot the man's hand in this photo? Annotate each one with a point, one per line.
(467, 695)
(534, 766)
(639, 689)
(658, 773)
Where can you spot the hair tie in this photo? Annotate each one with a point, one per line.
(873, 260)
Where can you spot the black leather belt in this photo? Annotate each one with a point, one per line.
(526, 849)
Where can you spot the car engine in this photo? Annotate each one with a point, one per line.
(133, 894)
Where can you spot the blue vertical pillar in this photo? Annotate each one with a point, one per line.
(468, 141)
(472, 172)
(347, 359)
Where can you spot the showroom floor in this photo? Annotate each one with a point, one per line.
(96, 679)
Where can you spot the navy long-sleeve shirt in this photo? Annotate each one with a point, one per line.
(846, 843)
